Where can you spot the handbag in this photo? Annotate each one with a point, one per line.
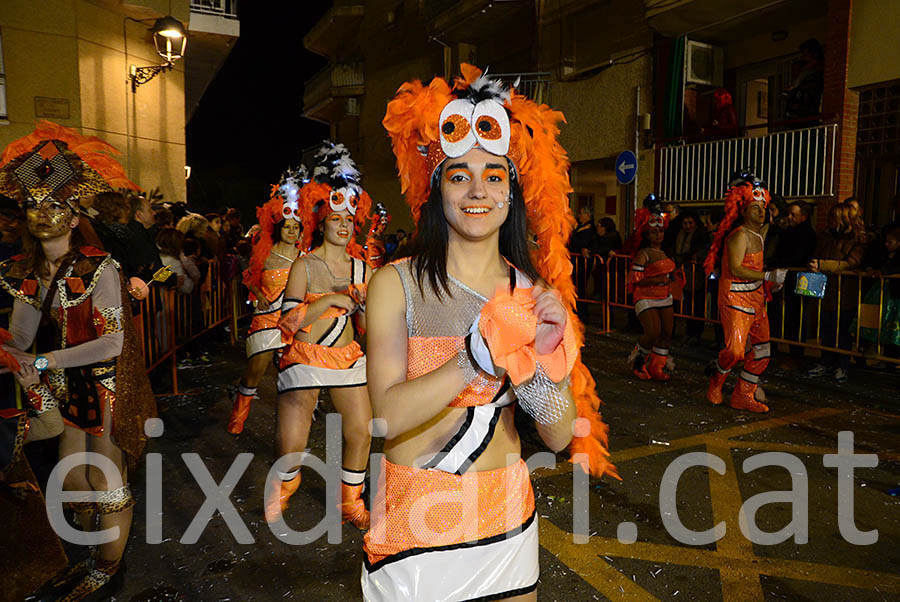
(811, 284)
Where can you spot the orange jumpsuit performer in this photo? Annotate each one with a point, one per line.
(742, 291)
(467, 325)
(275, 248)
(654, 282)
(324, 308)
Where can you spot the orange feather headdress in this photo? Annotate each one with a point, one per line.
(283, 204)
(335, 186)
(650, 214)
(56, 163)
(743, 189)
(428, 123)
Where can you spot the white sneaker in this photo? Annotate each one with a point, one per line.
(840, 375)
(817, 370)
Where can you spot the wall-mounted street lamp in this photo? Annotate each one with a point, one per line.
(170, 39)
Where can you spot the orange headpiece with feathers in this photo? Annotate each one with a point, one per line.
(283, 204)
(57, 164)
(429, 123)
(335, 186)
(743, 189)
(650, 215)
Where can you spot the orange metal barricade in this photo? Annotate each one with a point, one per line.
(167, 321)
(853, 319)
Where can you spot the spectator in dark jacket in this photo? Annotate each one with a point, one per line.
(690, 244)
(608, 240)
(839, 249)
(583, 244)
(794, 249)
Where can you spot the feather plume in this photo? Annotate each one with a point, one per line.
(542, 166)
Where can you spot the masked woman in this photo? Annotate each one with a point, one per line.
(654, 282)
(275, 248)
(464, 326)
(324, 308)
(91, 362)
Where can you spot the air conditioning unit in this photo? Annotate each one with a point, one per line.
(704, 64)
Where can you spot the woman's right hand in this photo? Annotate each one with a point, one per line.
(262, 303)
(28, 376)
(342, 301)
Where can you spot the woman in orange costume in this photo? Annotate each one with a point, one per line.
(275, 248)
(465, 326)
(324, 308)
(743, 285)
(653, 281)
(375, 249)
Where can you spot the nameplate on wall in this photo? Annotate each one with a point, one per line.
(54, 108)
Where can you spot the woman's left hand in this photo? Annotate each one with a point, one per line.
(551, 317)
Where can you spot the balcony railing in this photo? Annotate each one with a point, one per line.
(535, 86)
(221, 8)
(797, 163)
(335, 80)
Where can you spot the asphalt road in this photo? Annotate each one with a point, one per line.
(652, 425)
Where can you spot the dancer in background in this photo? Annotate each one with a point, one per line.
(324, 309)
(375, 247)
(275, 247)
(655, 283)
(742, 291)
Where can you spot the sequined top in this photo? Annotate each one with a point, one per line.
(437, 328)
(742, 293)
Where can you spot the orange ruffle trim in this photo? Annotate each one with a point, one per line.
(319, 356)
(508, 325)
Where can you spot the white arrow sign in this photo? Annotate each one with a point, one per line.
(625, 167)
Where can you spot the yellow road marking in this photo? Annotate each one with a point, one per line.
(558, 542)
(727, 433)
(725, 498)
(734, 557)
(601, 575)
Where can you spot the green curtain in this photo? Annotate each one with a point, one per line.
(674, 106)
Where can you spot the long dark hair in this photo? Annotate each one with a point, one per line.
(428, 248)
(36, 260)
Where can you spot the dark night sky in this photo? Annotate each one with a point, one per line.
(248, 127)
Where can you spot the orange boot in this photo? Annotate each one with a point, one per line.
(656, 365)
(278, 493)
(638, 362)
(240, 409)
(353, 510)
(743, 397)
(716, 380)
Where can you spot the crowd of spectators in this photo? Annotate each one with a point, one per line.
(851, 253)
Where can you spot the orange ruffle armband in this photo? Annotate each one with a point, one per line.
(508, 326)
(6, 358)
(289, 322)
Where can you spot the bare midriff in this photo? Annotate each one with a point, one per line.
(418, 445)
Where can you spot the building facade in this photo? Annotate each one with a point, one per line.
(696, 88)
(69, 61)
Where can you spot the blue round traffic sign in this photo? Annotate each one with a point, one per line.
(626, 167)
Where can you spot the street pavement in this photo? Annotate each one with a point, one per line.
(651, 426)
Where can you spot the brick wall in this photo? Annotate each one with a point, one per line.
(838, 100)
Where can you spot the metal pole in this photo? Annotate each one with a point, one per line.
(637, 144)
